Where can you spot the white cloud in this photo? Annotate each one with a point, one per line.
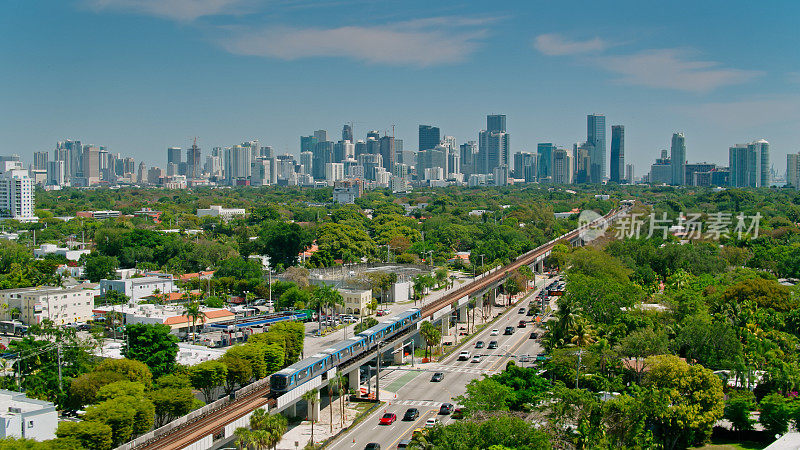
(557, 45)
(670, 69)
(424, 42)
(181, 10)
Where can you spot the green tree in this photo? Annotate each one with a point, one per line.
(119, 389)
(152, 345)
(500, 430)
(282, 242)
(172, 402)
(312, 397)
(737, 410)
(90, 434)
(431, 334)
(131, 369)
(239, 372)
(98, 267)
(193, 312)
(642, 344)
(683, 401)
(207, 377)
(775, 414)
(125, 415)
(486, 395)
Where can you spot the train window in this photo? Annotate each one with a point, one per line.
(301, 374)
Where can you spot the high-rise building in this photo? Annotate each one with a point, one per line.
(267, 152)
(307, 143)
(375, 134)
(174, 155)
(323, 154)
(562, 166)
(361, 148)
(429, 137)
(544, 153)
(388, 153)
(193, 162)
(677, 158)
(617, 172)
(238, 163)
(343, 150)
(321, 135)
(493, 150)
(433, 158)
(55, 173)
(347, 133)
(749, 164)
(699, 173)
(596, 139)
(90, 164)
(40, 160)
(306, 162)
(661, 171)
(469, 158)
(71, 152)
(793, 170)
(761, 147)
(629, 173)
(496, 122)
(17, 195)
(582, 152)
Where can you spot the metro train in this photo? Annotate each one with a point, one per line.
(304, 370)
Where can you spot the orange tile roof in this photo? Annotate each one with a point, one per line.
(218, 313)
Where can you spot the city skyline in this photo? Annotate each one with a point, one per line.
(166, 72)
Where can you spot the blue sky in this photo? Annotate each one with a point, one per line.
(141, 75)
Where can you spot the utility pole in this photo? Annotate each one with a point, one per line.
(58, 352)
(378, 376)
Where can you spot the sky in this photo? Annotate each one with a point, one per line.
(139, 76)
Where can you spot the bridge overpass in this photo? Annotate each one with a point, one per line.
(214, 424)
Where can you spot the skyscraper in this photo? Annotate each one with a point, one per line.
(562, 166)
(677, 158)
(307, 143)
(496, 122)
(793, 170)
(323, 154)
(193, 161)
(174, 155)
(347, 133)
(544, 152)
(387, 152)
(629, 177)
(429, 137)
(742, 160)
(40, 160)
(596, 139)
(761, 148)
(321, 135)
(617, 172)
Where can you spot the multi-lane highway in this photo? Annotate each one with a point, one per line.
(416, 390)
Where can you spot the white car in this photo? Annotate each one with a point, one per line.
(494, 332)
(463, 356)
(432, 422)
(476, 359)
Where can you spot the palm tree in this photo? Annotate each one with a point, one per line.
(419, 288)
(582, 333)
(244, 438)
(431, 334)
(192, 312)
(312, 397)
(341, 382)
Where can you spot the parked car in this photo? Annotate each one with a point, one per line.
(446, 408)
(411, 414)
(388, 419)
(479, 344)
(521, 311)
(458, 413)
(534, 335)
(522, 324)
(404, 443)
(437, 377)
(463, 356)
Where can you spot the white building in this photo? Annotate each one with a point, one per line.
(48, 249)
(355, 301)
(61, 305)
(23, 417)
(219, 211)
(138, 288)
(16, 195)
(334, 172)
(172, 315)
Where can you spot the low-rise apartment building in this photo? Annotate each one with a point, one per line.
(23, 417)
(61, 305)
(355, 301)
(138, 288)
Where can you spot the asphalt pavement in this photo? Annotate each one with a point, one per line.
(427, 396)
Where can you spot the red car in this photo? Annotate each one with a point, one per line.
(388, 418)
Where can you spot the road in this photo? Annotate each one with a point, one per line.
(415, 390)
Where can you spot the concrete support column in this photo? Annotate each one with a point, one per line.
(399, 357)
(493, 296)
(446, 325)
(355, 379)
(462, 313)
(313, 410)
(291, 410)
(540, 266)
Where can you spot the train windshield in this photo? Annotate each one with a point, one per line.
(278, 382)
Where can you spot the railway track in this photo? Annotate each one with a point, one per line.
(210, 423)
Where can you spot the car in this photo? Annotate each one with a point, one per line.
(521, 311)
(437, 377)
(373, 446)
(463, 356)
(446, 408)
(479, 344)
(476, 359)
(388, 419)
(404, 443)
(522, 324)
(494, 332)
(411, 414)
(534, 335)
(417, 432)
(432, 422)
(509, 330)
(492, 345)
